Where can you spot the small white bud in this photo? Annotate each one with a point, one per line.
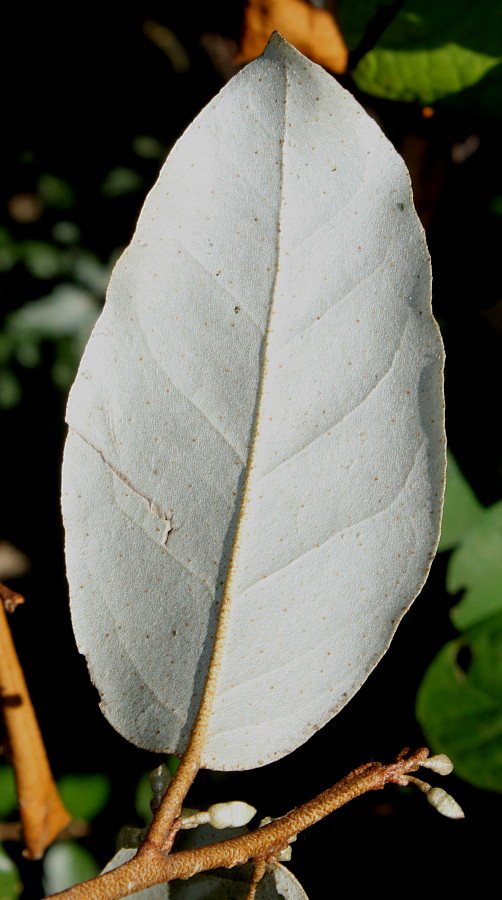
(441, 764)
(230, 815)
(266, 821)
(444, 803)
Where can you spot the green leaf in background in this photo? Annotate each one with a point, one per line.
(66, 232)
(354, 17)
(432, 51)
(121, 181)
(8, 797)
(147, 147)
(10, 882)
(10, 390)
(476, 567)
(142, 799)
(55, 191)
(461, 507)
(8, 251)
(173, 763)
(67, 863)
(42, 260)
(68, 310)
(84, 796)
(461, 711)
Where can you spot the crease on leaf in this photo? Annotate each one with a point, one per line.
(152, 505)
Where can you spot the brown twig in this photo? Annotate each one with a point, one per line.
(259, 869)
(43, 815)
(13, 831)
(153, 867)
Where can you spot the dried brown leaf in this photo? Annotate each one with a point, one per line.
(42, 812)
(312, 31)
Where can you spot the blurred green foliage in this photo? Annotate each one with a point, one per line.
(10, 882)
(142, 798)
(84, 795)
(459, 704)
(8, 797)
(62, 278)
(431, 52)
(63, 318)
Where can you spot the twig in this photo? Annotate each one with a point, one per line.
(13, 831)
(42, 812)
(145, 870)
(259, 869)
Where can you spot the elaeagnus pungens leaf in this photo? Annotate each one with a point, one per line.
(255, 460)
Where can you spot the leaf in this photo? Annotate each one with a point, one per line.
(220, 884)
(142, 798)
(432, 51)
(67, 863)
(67, 310)
(55, 191)
(84, 795)
(42, 813)
(461, 711)
(312, 31)
(355, 17)
(10, 881)
(121, 181)
(256, 448)
(8, 798)
(42, 260)
(476, 567)
(10, 390)
(462, 509)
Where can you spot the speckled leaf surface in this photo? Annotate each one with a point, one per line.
(256, 425)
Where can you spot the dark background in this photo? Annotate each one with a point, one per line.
(78, 88)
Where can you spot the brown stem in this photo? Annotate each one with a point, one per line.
(13, 831)
(162, 831)
(147, 869)
(259, 869)
(42, 812)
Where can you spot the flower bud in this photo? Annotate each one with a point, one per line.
(441, 764)
(230, 815)
(444, 803)
(159, 781)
